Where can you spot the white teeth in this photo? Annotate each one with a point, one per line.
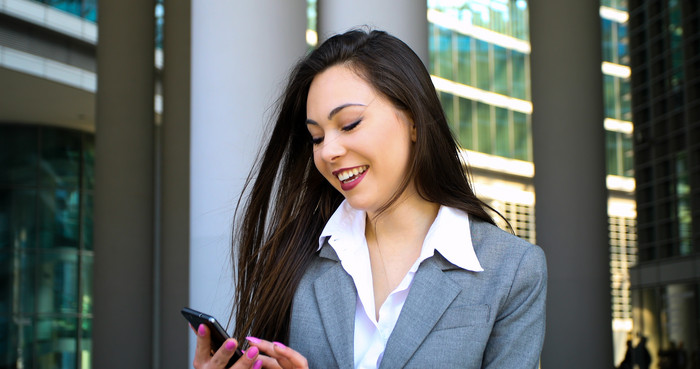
(345, 175)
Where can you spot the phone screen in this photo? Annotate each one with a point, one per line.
(217, 332)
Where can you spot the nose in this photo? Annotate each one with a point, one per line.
(332, 148)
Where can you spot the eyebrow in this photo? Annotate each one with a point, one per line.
(335, 111)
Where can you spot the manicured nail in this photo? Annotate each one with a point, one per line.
(231, 345)
(254, 340)
(279, 344)
(201, 330)
(252, 352)
(258, 364)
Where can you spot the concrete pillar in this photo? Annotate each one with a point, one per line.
(173, 269)
(124, 186)
(569, 156)
(406, 20)
(241, 54)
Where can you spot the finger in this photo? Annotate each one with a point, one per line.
(250, 359)
(294, 358)
(285, 356)
(202, 352)
(268, 362)
(224, 353)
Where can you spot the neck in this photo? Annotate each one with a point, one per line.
(405, 222)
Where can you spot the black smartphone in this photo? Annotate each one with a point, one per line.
(217, 332)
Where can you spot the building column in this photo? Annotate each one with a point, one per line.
(241, 54)
(569, 156)
(406, 20)
(124, 186)
(173, 250)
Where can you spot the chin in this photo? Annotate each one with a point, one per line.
(362, 204)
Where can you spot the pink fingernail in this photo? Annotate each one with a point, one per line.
(258, 364)
(201, 330)
(252, 352)
(231, 345)
(254, 340)
(279, 344)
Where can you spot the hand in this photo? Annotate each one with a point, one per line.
(203, 359)
(278, 356)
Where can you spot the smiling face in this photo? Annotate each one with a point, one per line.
(362, 142)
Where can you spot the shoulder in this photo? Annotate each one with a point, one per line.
(492, 244)
(508, 261)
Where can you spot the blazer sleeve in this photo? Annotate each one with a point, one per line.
(518, 332)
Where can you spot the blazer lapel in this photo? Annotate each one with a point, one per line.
(430, 295)
(336, 298)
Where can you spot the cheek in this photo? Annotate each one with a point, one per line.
(320, 165)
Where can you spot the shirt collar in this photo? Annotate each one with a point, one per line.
(449, 235)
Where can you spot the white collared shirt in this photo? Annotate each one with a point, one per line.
(449, 234)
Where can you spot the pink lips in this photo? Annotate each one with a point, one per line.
(347, 186)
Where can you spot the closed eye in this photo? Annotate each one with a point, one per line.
(351, 126)
(348, 128)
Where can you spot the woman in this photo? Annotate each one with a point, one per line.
(362, 244)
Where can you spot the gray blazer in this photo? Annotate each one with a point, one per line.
(452, 318)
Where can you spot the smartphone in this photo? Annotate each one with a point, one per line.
(216, 331)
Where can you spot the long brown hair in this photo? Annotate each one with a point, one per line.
(289, 201)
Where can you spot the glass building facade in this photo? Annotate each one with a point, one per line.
(480, 63)
(479, 56)
(46, 184)
(86, 9)
(479, 60)
(664, 53)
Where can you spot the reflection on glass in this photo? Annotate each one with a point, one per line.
(610, 96)
(466, 128)
(502, 138)
(87, 223)
(520, 81)
(683, 205)
(627, 155)
(60, 158)
(6, 280)
(676, 38)
(58, 283)
(59, 217)
(483, 66)
(18, 155)
(56, 343)
(608, 40)
(483, 113)
(445, 53)
(623, 49)
(16, 336)
(27, 282)
(447, 101)
(86, 283)
(464, 59)
(17, 218)
(433, 47)
(86, 9)
(611, 156)
(88, 175)
(500, 71)
(86, 344)
(625, 100)
(521, 136)
(506, 17)
(46, 181)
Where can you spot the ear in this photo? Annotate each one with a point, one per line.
(413, 132)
